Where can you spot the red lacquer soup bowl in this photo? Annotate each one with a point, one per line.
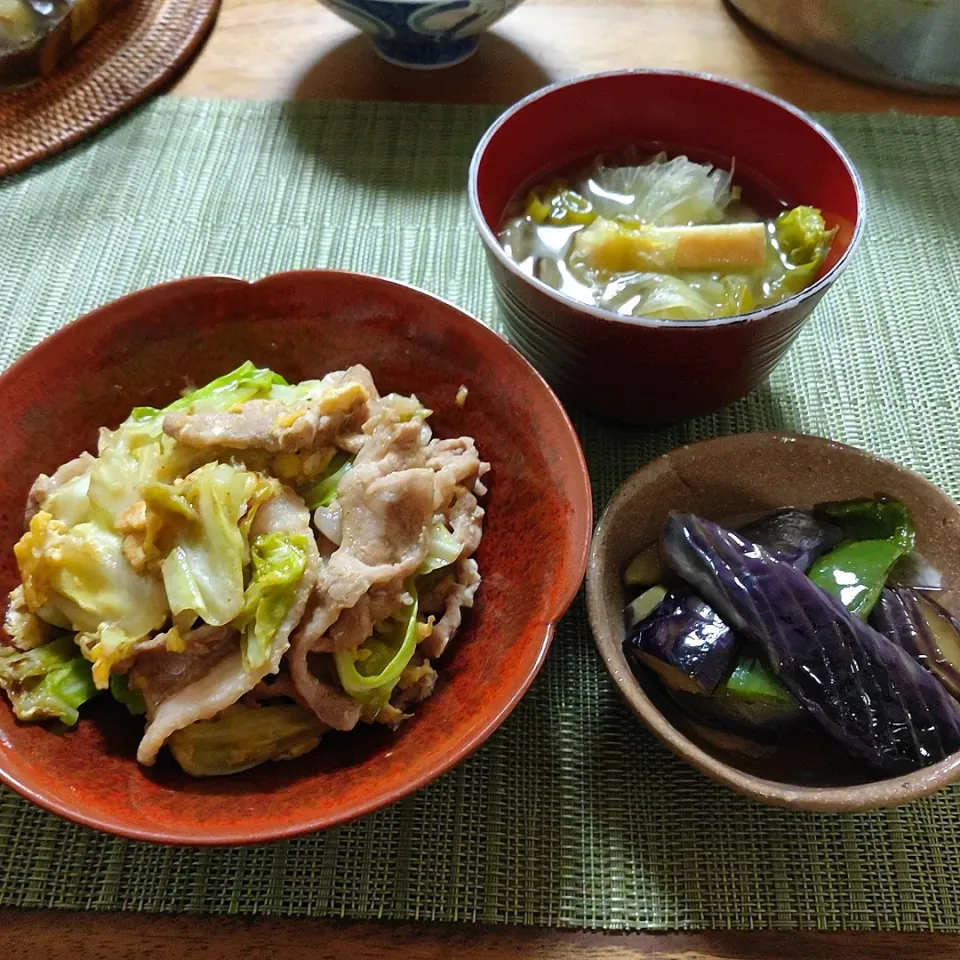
(142, 349)
(645, 369)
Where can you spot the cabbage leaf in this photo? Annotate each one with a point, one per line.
(666, 193)
(81, 577)
(803, 242)
(802, 235)
(48, 682)
(136, 454)
(443, 548)
(245, 738)
(323, 489)
(371, 671)
(332, 395)
(203, 573)
(278, 562)
(130, 697)
(70, 502)
(657, 295)
(86, 560)
(247, 382)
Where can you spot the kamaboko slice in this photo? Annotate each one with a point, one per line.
(865, 691)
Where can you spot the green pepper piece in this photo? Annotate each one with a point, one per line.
(882, 518)
(537, 209)
(572, 207)
(751, 702)
(876, 533)
(752, 678)
(856, 571)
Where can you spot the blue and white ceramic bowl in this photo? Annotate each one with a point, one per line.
(423, 34)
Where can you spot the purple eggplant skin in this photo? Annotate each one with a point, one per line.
(685, 642)
(926, 631)
(864, 690)
(894, 617)
(793, 536)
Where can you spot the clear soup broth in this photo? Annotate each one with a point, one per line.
(660, 236)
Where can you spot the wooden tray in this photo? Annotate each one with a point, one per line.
(128, 57)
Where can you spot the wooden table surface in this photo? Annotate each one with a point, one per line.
(295, 49)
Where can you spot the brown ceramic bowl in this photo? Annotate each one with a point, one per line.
(644, 369)
(141, 350)
(807, 771)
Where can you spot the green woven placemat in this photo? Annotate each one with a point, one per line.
(572, 814)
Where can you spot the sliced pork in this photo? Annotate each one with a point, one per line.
(456, 594)
(331, 415)
(209, 675)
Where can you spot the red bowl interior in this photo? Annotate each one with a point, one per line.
(141, 350)
(773, 144)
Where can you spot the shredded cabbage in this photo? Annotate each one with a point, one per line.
(203, 573)
(443, 548)
(667, 193)
(245, 738)
(81, 576)
(130, 697)
(323, 489)
(48, 682)
(370, 672)
(278, 562)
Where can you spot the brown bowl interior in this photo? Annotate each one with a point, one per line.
(736, 476)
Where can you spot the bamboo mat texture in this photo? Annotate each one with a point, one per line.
(572, 815)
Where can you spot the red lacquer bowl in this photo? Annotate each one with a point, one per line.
(140, 350)
(645, 369)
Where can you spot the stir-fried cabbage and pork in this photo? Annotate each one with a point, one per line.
(252, 566)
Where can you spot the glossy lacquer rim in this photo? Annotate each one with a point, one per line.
(494, 248)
